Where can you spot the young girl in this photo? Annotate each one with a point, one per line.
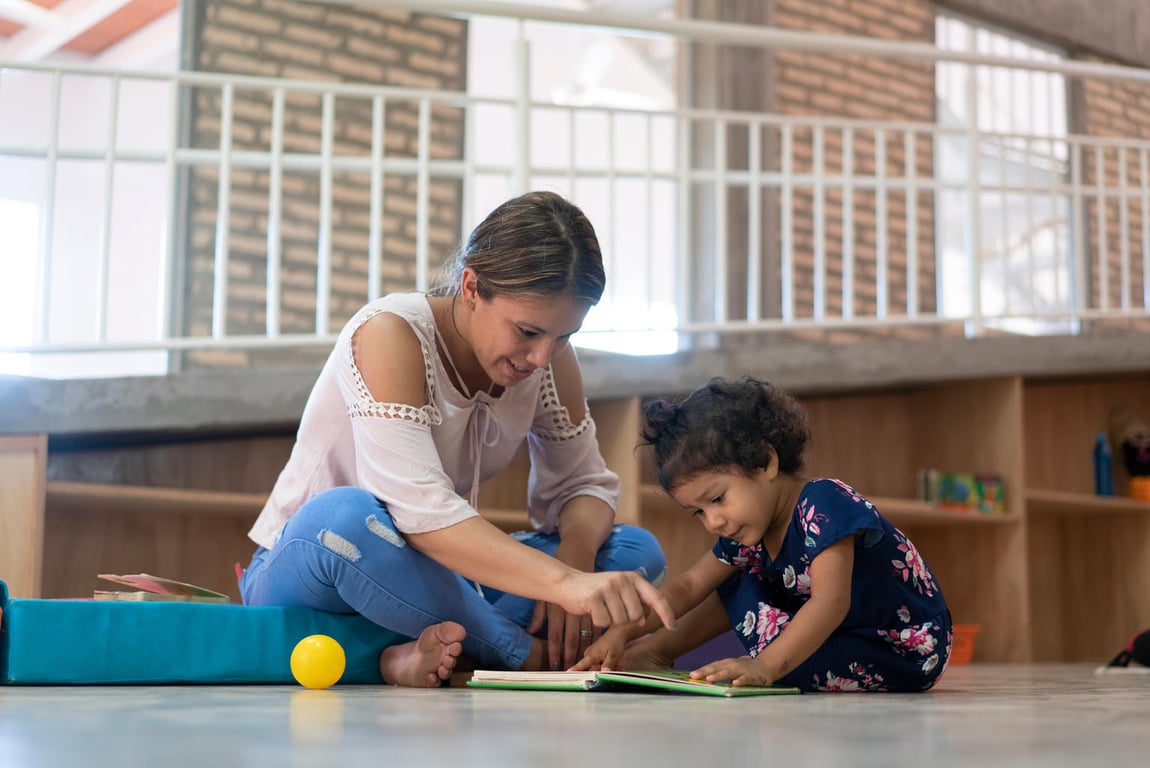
(824, 592)
(423, 398)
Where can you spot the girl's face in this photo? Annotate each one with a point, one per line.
(513, 336)
(730, 504)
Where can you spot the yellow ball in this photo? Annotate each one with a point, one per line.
(318, 661)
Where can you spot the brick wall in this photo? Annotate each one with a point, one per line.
(864, 88)
(1111, 108)
(859, 87)
(320, 42)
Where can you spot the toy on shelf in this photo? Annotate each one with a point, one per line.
(1132, 438)
(980, 492)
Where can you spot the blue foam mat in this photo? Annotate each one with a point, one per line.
(95, 642)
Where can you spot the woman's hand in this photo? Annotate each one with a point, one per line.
(741, 671)
(568, 634)
(614, 597)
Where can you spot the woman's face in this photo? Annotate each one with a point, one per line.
(512, 336)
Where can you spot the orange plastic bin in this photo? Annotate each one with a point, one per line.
(962, 650)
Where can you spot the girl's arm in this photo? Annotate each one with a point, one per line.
(684, 593)
(808, 629)
(659, 649)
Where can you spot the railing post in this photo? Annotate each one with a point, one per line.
(48, 220)
(275, 216)
(520, 174)
(1078, 222)
(974, 217)
(223, 215)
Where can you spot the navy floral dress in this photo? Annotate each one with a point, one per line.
(897, 634)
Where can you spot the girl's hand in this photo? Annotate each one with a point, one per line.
(646, 653)
(604, 653)
(741, 671)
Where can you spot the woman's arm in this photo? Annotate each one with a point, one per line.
(584, 522)
(811, 626)
(573, 494)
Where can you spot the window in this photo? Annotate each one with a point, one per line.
(1020, 228)
(19, 256)
(591, 141)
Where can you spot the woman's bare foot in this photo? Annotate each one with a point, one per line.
(426, 661)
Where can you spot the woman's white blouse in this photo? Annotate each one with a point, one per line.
(422, 461)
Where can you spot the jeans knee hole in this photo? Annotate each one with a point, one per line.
(382, 531)
(339, 545)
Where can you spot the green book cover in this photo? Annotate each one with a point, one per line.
(681, 681)
(667, 680)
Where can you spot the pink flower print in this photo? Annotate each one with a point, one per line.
(904, 614)
(840, 684)
(869, 680)
(918, 639)
(809, 519)
(749, 559)
(800, 583)
(770, 623)
(912, 567)
(911, 639)
(847, 490)
(854, 495)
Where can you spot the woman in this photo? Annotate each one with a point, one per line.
(423, 398)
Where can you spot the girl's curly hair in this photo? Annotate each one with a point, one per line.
(725, 425)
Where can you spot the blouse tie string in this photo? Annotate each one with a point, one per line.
(483, 431)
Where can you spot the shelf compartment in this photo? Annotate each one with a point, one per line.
(1040, 502)
(71, 495)
(898, 511)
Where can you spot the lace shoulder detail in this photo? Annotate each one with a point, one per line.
(368, 408)
(558, 427)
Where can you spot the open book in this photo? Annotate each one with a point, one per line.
(151, 588)
(666, 680)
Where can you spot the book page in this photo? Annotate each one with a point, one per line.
(160, 585)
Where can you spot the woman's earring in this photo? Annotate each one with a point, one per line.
(471, 305)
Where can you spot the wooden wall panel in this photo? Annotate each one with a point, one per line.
(22, 463)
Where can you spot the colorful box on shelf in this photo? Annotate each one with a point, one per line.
(963, 492)
(98, 642)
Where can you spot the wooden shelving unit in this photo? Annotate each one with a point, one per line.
(1061, 576)
(1061, 503)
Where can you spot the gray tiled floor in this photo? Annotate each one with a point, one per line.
(979, 715)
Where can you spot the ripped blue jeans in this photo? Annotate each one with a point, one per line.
(342, 553)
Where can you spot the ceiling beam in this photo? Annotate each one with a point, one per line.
(28, 13)
(33, 44)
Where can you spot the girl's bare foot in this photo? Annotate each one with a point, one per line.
(426, 661)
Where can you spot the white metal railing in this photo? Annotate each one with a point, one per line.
(694, 190)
